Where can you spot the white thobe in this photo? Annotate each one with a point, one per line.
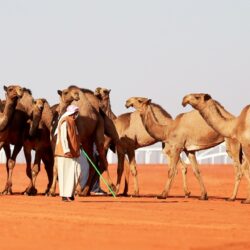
(69, 169)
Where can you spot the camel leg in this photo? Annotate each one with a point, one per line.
(132, 162)
(127, 173)
(6, 148)
(52, 191)
(11, 165)
(104, 164)
(27, 154)
(238, 175)
(245, 168)
(173, 156)
(35, 171)
(120, 167)
(184, 178)
(195, 167)
(48, 165)
(233, 149)
(88, 148)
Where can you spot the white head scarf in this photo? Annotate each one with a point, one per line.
(71, 109)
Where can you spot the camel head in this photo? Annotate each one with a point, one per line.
(69, 95)
(102, 93)
(195, 100)
(39, 104)
(137, 102)
(37, 110)
(13, 92)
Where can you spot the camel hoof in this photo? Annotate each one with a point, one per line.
(135, 195)
(83, 193)
(161, 197)
(113, 187)
(30, 191)
(230, 199)
(7, 191)
(51, 194)
(245, 201)
(124, 194)
(187, 194)
(203, 197)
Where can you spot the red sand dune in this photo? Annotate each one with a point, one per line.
(128, 223)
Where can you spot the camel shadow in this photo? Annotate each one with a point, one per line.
(129, 201)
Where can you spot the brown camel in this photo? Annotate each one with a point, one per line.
(90, 125)
(38, 139)
(181, 134)
(14, 132)
(105, 106)
(7, 107)
(13, 92)
(236, 128)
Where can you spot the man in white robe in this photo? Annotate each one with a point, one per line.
(67, 153)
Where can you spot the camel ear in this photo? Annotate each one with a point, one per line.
(207, 97)
(109, 90)
(97, 91)
(149, 101)
(59, 92)
(5, 88)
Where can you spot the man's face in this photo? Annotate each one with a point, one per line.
(75, 115)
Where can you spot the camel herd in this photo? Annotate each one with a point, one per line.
(30, 123)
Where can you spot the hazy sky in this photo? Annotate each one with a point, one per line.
(152, 48)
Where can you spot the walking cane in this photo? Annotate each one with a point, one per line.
(98, 172)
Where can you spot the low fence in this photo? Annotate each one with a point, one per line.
(154, 155)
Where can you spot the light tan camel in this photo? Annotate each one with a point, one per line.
(133, 136)
(188, 133)
(236, 128)
(90, 125)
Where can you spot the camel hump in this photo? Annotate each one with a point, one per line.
(87, 91)
(27, 90)
(124, 119)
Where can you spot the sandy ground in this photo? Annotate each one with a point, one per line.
(128, 223)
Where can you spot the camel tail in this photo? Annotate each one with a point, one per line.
(240, 154)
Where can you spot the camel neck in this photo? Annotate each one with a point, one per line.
(212, 115)
(155, 129)
(25, 104)
(7, 114)
(224, 112)
(106, 107)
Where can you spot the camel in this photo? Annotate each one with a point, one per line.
(132, 136)
(14, 132)
(7, 107)
(38, 139)
(235, 128)
(181, 134)
(103, 95)
(90, 125)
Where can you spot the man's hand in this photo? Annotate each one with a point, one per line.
(68, 154)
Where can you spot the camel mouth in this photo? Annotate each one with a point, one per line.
(128, 105)
(184, 102)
